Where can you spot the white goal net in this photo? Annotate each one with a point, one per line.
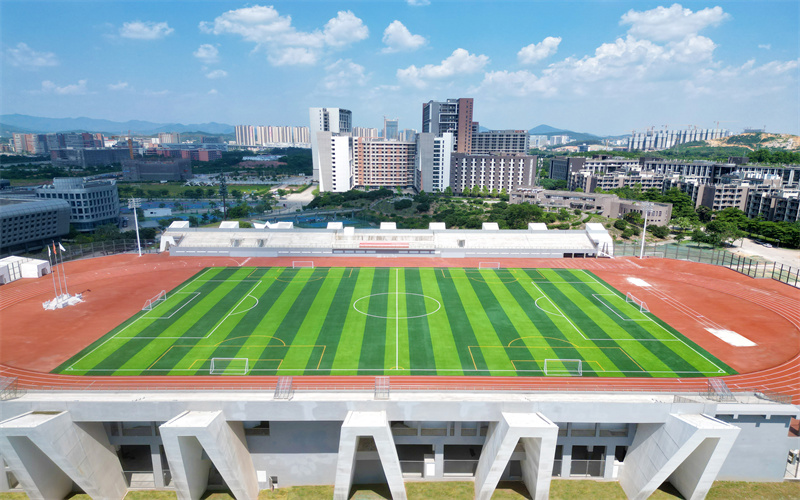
(488, 265)
(229, 366)
(302, 263)
(153, 302)
(563, 367)
(639, 304)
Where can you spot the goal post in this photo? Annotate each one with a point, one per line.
(488, 265)
(153, 302)
(229, 366)
(563, 367)
(639, 304)
(297, 264)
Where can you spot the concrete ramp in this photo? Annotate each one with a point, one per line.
(191, 433)
(47, 451)
(538, 436)
(688, 450)
(361, 424)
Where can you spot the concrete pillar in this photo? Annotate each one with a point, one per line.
(363, 423)
(687, 450)
(158, 471)
(4, 486)
(608, 471)
(538, 436)
(566, 461)
(47, 451)
(438, 457)
(188, 435)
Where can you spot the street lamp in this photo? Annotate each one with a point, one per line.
(647, 207)
(135, 203)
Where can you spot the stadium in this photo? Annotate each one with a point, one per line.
(251, 359)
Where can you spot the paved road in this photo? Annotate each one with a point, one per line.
(785, 256)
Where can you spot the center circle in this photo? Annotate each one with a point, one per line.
(423, 298)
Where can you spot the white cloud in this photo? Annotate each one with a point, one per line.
(207, 53)
(23, 56)
(283, 44)
(344, 29)
(765, 46)
(292, 56)
(79, 88)
(342, 75)
(671, 23)
(535, 52)
(460, 62)
(418, 3)
(517, 83)
(213, 92)
(118, 86)
(146, 30)
(217, 73)
(398, 39)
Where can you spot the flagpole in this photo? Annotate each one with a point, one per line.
(59, 276)
(52, 272)
(61, 249)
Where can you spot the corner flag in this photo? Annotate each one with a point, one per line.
(61, 247)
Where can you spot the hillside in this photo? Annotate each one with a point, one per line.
(758, 140)
(82, 124)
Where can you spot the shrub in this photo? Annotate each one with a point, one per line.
(620, 224)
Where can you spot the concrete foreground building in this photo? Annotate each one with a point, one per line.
(104, 443)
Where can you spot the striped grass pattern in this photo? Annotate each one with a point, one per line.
(394, 321)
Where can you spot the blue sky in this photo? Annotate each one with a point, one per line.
(604, 67)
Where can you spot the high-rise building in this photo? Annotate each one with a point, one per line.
(169, 138)
(334, 153)
(500, 141)
(432, 161)
(365, 132)
(493, 172)
(390, 129)
(245, 135)
(384, 163)
(335, 121)
(454, 116)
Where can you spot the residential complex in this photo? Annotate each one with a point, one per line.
(652, 140)
(272, 136)
(495, 173)
(499, 141)
(769, 191)
(608, 205)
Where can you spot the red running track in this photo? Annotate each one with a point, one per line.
(690, 297)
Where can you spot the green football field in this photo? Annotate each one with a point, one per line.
(395, 321)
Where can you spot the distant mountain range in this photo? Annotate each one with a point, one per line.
(30, 124)
(35, 124)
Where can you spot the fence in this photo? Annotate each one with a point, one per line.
(76, 251)
(749, 267)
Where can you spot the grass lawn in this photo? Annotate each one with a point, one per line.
(395, 321)
(559, 489)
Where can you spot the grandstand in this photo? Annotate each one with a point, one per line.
(228, 428)
(284, 240)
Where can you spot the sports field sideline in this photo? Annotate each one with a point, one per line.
(395, 321)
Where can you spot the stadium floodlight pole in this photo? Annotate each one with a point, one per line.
(134, 203)
(646, 209)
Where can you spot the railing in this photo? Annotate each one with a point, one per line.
(412, 468)
(589, 468)
(747, 266)
(75, 251)
(460, 467)
(678, 394)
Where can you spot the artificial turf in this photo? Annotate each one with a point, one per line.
(395, 321)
